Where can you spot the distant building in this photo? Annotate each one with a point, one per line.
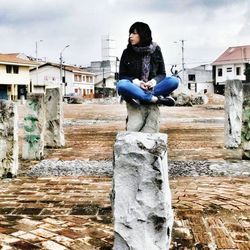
(231, 65)
(199, 79)
(14, 75)
(106, 70)
(75, 79)
(108, 48)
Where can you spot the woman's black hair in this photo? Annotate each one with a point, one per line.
(144, 32)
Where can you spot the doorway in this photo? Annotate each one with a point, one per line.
(3, 92)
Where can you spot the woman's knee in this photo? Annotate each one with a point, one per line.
(123, 85)
(174, 82)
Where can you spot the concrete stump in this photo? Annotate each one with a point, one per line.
(54, 135)
(8, 139)
(245, 131)
(34, 127)
(141, 197)
(233, 113)
(143, 118)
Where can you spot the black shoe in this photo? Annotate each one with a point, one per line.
(167, 101)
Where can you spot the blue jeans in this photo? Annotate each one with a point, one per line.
(131, 91)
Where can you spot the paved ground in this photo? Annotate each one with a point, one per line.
(75, 212)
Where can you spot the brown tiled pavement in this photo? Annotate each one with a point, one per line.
(75, 213)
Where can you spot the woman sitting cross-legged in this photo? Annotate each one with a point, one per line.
(142, 75)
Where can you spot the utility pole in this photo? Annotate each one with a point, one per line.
(61, 63)
(182, 61)
(37, 60)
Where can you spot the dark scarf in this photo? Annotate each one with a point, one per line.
(146, 52)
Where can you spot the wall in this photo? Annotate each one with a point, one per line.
(229, 75)
(50, 76)
(22, 78)
(203, 79)
(47, 75)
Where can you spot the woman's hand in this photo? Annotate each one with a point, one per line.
(143, 85)
(149, 85)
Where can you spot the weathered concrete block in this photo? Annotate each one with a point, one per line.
(54, 135)
(8, 139)
(245, 131)
(34, 127)
(233, 113)
(143, 118)
(141, 197)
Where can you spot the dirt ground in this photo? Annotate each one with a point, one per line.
(194, 133)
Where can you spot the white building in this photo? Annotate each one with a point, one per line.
(75, 79)
(199, 79)
(105, 70)
(14, 75)
(231, 65)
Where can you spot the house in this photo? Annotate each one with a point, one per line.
(199, 79)
(74, 79)
(106, 73)
(231, 65)
(106, 88)
(14, 76)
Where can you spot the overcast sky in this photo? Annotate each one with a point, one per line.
(207, 26)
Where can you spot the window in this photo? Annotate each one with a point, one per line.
(8, 69)
(238, 71)
(191, 77)
(15, 69)
(12, 69)
(229, 69)
(78, 78)
(219, 71)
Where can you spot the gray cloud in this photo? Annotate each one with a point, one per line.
(31, 12)
(207, 26)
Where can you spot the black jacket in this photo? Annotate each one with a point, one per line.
(131, 65)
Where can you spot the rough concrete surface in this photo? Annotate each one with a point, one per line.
(8, 138)
(75, 212)
(143, 118)
(233, 113)
(141, 197)
(34, 127)
(53, 135)
(245, 132)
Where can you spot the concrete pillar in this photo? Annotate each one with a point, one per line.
(233, 113)
(8, 139)
(237, 116)
(245, 132)
(143, 118)
(34, 127)
(141, 197)
(54, 135)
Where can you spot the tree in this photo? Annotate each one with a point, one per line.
(247, 72)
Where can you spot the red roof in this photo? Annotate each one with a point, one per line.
(15, 58)
(238, 54)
